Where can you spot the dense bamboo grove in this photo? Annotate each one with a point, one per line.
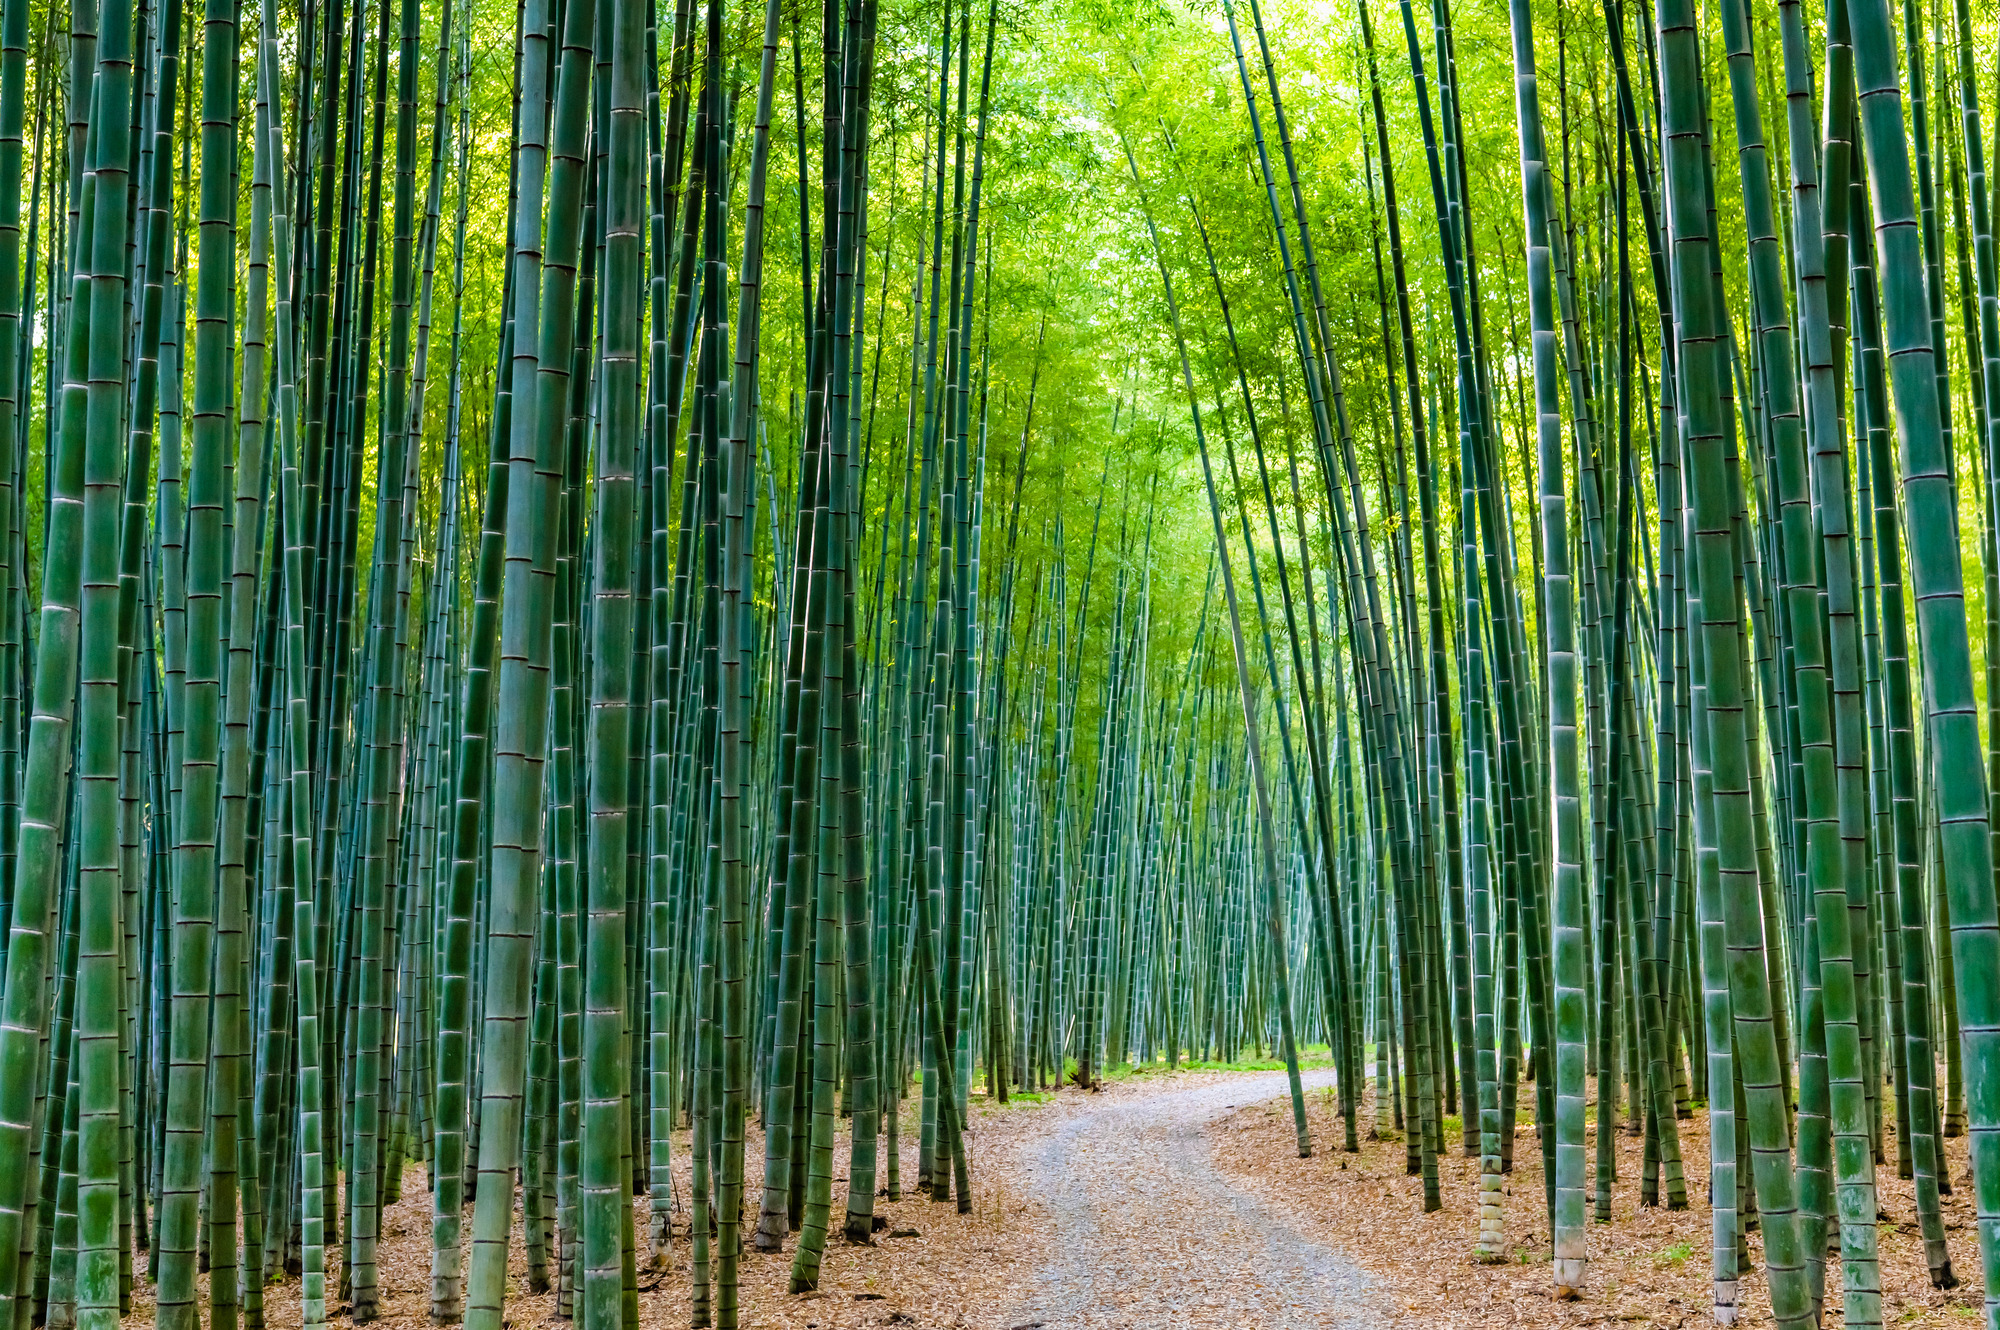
(616, 607)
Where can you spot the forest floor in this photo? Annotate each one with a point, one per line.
(1090, 1211)
(1649, 1266)
(942, 1271)
(1178, 1200)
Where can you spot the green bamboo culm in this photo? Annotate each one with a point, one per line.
(544, 284)
(605, 1176)
(1700, 353)
(100, 1000)
(1558, 601)
(187, 1108)
(1937, 581)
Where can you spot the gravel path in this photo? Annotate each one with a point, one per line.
(1147, 1234)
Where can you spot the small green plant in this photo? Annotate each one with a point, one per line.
(1674, 1255)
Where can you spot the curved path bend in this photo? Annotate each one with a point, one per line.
(1148, 1234)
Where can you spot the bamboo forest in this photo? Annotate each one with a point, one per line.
(650, 649)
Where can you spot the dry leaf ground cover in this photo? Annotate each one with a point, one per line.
(1649, 1266)
(992, 1269)
(960, 1272)
(1047, 1190)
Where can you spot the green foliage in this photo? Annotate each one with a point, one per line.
(1674, 1255)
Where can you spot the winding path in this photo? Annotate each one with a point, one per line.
(1148, 1234)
